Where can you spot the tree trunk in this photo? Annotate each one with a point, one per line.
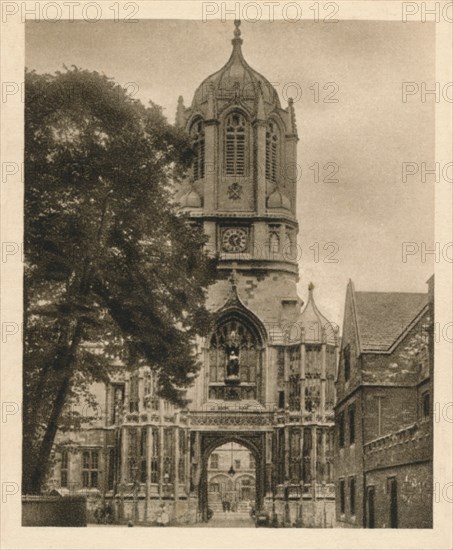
(39, 469)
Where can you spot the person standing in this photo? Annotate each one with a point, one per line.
(164, 518)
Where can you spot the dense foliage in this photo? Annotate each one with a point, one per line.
(111, 269)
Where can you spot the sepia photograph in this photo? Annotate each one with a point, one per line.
(230, 271)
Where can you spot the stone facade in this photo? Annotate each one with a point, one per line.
(384, 433)
(269, 365)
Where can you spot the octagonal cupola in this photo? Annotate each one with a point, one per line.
(244, 149)
(236, 80)
(314, 325)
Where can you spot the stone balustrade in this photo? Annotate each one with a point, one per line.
(411, 443)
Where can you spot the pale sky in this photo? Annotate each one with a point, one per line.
(368, 133)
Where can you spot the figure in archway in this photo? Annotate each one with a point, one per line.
(232, 365)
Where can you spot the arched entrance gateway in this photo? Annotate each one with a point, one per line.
(232, 399)
(231, 487)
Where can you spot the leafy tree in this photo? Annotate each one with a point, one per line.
(109, 263)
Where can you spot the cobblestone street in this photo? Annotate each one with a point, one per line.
(228, 519)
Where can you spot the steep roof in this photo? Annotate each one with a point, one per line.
(382, 317)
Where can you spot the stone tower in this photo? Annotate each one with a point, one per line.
(242, 192)
(253, 388)
(268, 368)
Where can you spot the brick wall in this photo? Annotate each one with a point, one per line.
(413, 495)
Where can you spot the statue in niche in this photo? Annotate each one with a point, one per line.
(232, 367)
(233, 364)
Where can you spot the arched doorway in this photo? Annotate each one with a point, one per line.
(231, 478)
(225, 481)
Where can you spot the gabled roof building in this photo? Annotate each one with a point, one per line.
(383, 443)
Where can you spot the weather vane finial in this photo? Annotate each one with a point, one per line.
(237, 33)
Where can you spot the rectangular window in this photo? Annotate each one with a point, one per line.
(312, 394)
(330, 444)
(133, 394)
(319, 454)
(111, 471)
(240, 155)
(426, 405)
(64, 470)
(342, 497)
(307, 451)
(143, 440)
(280, 367)
(370, 507)
(347, 362)
(341, 429)
(351, 416)
(168, 455)
(235, 139)
(235, 154)
(252, 464)
(215, 461)
(352, 496)
(237, 464)
(132, 454)
(155, 456)
(393, 490)
(229, 154)
(313, 355)
(281, 399)
(90, 467)
(117, 391)
(294, 378)
(182, 456)
(330, 392)
(279, 451)
(294, 392)
(294, 455)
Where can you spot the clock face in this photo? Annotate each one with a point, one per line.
(234, 239)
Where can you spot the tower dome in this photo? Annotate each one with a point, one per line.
(315, 326)
(236, 79)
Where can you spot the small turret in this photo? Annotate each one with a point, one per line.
(315, 326)
(180, 119)
(278, 200)
(292, 116)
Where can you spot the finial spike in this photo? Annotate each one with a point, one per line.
(311, 286)
(292, 115)
(180, 112)
(237, 40)
(234, 279)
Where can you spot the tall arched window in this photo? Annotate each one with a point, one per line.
(235, 141)
(197, 134)
(229, 335)
(272, 145)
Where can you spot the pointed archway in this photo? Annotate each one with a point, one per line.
(253, 442)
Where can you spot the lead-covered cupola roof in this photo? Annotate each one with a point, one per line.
(315, 326)
(236, 79)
